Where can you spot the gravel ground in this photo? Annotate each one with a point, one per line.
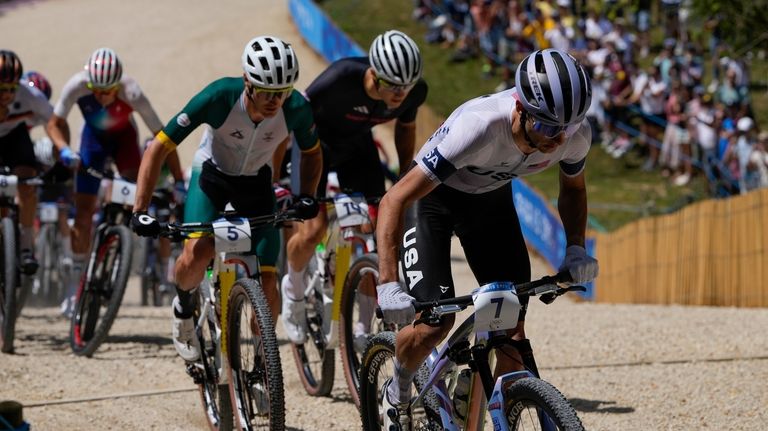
(623, 367)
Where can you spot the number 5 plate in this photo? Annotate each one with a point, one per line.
(496, 306)
(232, 235)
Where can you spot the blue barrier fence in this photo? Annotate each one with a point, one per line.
(542, 229)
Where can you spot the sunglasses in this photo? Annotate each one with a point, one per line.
(550, 131)
(394, 88)
(101, 90)
(10, 88)
(270, 93)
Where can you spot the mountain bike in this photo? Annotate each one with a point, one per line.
(48, 286)
(450, 398)
(239, 373)
(14, 285)
(103, 282)
(155, 290)
(328, 292)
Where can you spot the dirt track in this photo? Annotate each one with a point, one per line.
(623, 367)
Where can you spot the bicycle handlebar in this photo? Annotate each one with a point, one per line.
(547, 288)
(180, 231)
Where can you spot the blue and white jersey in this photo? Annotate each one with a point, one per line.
(473, 151)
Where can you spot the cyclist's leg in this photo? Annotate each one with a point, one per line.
(126, 154)
(496, 251)
(426, 264)
(21, 158)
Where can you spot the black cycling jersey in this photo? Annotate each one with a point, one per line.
(344, 113)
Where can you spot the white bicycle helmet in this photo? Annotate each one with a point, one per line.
(269, 62)
(395, 57)
(104, 68)
(553, 87)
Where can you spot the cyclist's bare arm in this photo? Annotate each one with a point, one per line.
(149, 170)
(277, 159)
(311, 168)
(58, 131)
(572, 206)
(412, 187)
(405, 141)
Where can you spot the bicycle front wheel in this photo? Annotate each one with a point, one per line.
(49, 275)
(255, 372)
(8, 278)
(314, 360)
(357, 322)
(101, 291)
(533, 404)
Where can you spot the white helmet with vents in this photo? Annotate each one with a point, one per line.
(395, 57)
(269, 62)
(104, 68)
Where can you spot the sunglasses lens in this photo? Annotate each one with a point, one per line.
(547, 130)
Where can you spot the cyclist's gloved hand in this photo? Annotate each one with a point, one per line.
(306, 206)
(583, 268)
(68, 157)
(395, 304)
(144, 224)
(179, 192)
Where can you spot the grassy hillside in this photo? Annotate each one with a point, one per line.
(618, 191)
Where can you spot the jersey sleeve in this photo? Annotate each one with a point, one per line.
(452, 146)
(72, 90)
(416, 98)
(299, 119)
(138, 101)
(207, 106)
(575, 158)
(41, 108)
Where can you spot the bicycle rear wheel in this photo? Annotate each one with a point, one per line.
(206, 372)
(533, 404)
(361, 279)
(8, 293)
(376, 368)
(102, 285)
(255, 372)
(314, 361)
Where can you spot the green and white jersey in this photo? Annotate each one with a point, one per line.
(235, 144)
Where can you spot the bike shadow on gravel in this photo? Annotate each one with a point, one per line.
(599, 406)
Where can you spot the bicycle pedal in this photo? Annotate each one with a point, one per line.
(197, 373)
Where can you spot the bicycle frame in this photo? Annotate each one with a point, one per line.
(339, 243)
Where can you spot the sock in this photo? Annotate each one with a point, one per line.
(296, 278)
(78, 266)
(400, 388)
(185, 307)
(367, 305)
(27, 238)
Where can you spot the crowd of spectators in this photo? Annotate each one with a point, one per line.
(681, 124)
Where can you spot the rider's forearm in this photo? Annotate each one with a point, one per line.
(58, 130)
(311, 168)
(405, 142)
(388, 229)
(572, 206)
(148, 172)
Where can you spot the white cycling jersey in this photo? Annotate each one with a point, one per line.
(28, 106)
(113, 117)
(473, 151)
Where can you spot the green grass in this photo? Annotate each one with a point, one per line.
(617, 188)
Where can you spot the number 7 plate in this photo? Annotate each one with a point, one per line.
(496, 306)
(232, 235)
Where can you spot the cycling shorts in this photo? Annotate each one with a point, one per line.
(488, 229)
(17, 149)
(360, 172)
(209, 192)
(95, 147)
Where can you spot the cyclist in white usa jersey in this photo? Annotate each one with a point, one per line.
(461, 185)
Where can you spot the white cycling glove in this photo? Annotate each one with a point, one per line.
(395, 304)
(583, 268)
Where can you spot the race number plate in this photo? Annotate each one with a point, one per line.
(8, 185)
(123, 192)
(49, 212)
(350, 210)
(232, 235)
(496, 306)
